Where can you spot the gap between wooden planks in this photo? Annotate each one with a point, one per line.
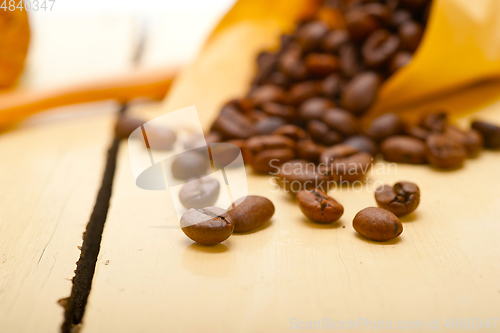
(151, 277)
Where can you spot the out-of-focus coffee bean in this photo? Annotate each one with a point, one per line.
(401, 199)
(250, 213)
(315, 107)
(403, 149)
(213, 137)
(411, 34)
(291, 131)
(308, 150)
(232, 124)
(319, 207)
(298, 175)
(330, 86)
(268, 125)
(279, 110)
(360, 93)
(342, 122)
(303, 91)
(443, 152)
(199, 193)
(350, 60)
(207, 226)
(309, 36)
(360, 23)
(125, 125)
(399, 60)
(279, 79)
(417, 132)
(267, 93)
(266, 63)
(189, 164)
(379, 48)
(320, 132)
(346, 163)
(290, 62)
(490, 132)
(333, 40)
(435, 122)
(245, 153)
(379, 11)
(362, 143)
(384, 126)
(399, 17)
(270, 151)
(471, 140)
(321, 64)
(377, 224)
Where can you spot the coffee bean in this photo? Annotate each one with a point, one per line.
(126, 125)
(471, 140)
(330, 86)
(250, 213)
(270, 151)
(308, 150)
(231, 124)
(298, 175)
(279, 110)
(189, 164)
(245, 153)
(321, 64)
(291, 131)
(309, 36)
(411, 34)
(401, 199)
(362, 143)
(403, 149)
(444, 152)
(321, 133)
(360, 23)
(334, 40)
(342, 122)
(301, 92)
(199, 193)
(360, 93)
(267, 93)
(315, 107)
(268, 125)
(350, 60)
(435, 122)
(384, 126)
(290, 62)
(377, 224)
(346, 163)
(417, 132)
(379, 48)
(319, 207)
(399, 60)
(490, 132)
(207, 226)
(399, 17)
(379, 11)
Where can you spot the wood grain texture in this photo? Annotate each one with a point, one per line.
(150, 277)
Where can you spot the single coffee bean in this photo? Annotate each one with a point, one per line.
(308, 150)
(279, 110)
(379, 48)
(362, 143)
(270, 151)
(435, 122)
(417, 132)
(403, 149)
(360, 93)
(231, 124)
(319, 207)
(189, 164)
(298, 175)
(207, 226)
(346, 163)
(291, 64)
(126, 125)
(490, 132)
(321, 64)
(330, 86)
(384, 126)
(267, 93)
(301, 92)
(399, 60)
(471, 140)
(411, 34)
(279, 79)
(199, 193)
(350, 60)
(333, 40)
(360, 23)
(342, 122)
(379, 11)
(315, 107)
(401, 199)
(309, 35)
(250, 212)
(268, 125)
(444, 152)
(321, 133)
(377, 224)
(399, 17)
(293, 132)
(245, 153)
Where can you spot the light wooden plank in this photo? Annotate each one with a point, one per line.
(151, 277)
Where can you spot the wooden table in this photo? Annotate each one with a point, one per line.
(151, 278)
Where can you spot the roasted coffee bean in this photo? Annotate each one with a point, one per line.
(342, 122)
(315, 107)
(379, 11)
(346, 163)
(207, 226)
(334, 40)
(321, 133)
(250, 212)
(293, 132)
(319, 207)
(126, 125)
(360, 23)
(301, 92)
(268, 125)
(290, 62)
(309, 35)
(399, 17)
(377, 224)
(199, 193)
(267, 93)
(471, 140)
(401, 199)
(266, 62)
(417, 132)
(379, 48)
(443, 152)
(490, 132)
(362, 143)
(360, 93)
(350, 60)
(189, 164)
(231, 124)
(321, 64)
(308, 150)
(245, 153)
(298, 175)
(270, 151)
(399, 60)
(403, 149)
(435, 122)
(279, 110)
(384, 126)
(411, 34)
(279, 79)
(330, 86)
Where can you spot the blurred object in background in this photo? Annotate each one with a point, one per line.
(14, 41)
